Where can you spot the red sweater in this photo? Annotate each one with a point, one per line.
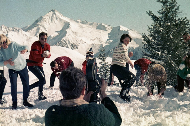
(63, 63)
(35, 57)
(143, 63)
(84, 67)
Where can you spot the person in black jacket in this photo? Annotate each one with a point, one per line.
(74, 110)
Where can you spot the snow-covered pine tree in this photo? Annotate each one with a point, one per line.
(104, 69)
(164, 41)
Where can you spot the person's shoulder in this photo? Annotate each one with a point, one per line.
(84, 63)
(53, 108)
(36, 43)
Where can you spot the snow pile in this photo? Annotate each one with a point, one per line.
(173, 109)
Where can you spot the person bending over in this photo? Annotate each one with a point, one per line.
(156, 73)
(141, 65)
(57, 66)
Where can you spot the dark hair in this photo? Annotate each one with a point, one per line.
(71, 82)
(125, 36)
(42, 34)
(52, 64)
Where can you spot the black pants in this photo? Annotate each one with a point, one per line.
(180, 82)
(122, 73)
(3, 82)
(39, 73)
(52, 79)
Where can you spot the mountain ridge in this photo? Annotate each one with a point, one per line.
(75, 34)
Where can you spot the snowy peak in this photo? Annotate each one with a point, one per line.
(51, 22)
(74, 34)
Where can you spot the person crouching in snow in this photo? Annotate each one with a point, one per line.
(156, 73)
(141, 65)
(57, 66)
(183, 74)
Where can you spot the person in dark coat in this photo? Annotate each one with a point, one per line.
(74, 108)
(57, 66)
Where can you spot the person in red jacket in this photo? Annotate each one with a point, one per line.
(89, 55)
(141, 65)
(57, 66)
(39, 50)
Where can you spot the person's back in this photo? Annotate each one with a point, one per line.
(83, 115)
(74, 110)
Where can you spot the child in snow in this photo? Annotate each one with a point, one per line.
(141, 65)
(156, 73)
(89, 55)
(183, 74)
(92, 85)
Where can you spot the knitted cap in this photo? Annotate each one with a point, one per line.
(90, 53)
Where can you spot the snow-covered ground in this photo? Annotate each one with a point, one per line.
(171, 110)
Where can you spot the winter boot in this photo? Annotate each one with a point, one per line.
(14, 105)
(41, 96)
(123, 95)
(26, 103)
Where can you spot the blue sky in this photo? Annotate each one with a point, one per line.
(129, 13)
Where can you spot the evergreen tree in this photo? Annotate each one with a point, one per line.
(164, 41)
(104, 69)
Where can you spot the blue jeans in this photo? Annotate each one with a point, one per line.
(39, 73)
(25, 82)
(138, 74)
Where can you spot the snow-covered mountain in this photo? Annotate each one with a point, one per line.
(74, 34)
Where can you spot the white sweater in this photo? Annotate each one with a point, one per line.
(120, 55)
